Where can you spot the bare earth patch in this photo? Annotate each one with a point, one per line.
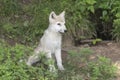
(108, 49)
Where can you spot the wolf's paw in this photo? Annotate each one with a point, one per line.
(29, 64)
(61, 68)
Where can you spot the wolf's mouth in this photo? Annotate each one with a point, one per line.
(61, 32)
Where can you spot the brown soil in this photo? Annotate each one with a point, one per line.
(106, 48)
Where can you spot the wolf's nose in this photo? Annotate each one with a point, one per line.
(65, 30)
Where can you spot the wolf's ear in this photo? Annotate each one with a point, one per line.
(52, 16)
(62, 14)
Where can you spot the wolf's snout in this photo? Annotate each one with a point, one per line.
(65, 31)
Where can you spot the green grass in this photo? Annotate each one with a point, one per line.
(12, 69)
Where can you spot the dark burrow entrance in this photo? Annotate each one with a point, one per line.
(103, 25)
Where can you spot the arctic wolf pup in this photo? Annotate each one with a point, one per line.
(50, 43)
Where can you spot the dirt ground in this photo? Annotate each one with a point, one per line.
(110, 50)
(105, 48)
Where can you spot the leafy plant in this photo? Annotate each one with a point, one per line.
(95, 41)
(12, 68)
(106, 18)
(79, 25)
(102, 69)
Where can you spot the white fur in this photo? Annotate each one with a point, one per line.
(50, 43)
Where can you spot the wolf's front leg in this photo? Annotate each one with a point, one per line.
(51, 64)
(59, 59)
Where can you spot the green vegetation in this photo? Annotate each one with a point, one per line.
(25, 21)
(94, 42)
(13, 66)
(101, 69)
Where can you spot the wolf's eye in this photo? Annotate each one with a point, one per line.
(59, 24)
